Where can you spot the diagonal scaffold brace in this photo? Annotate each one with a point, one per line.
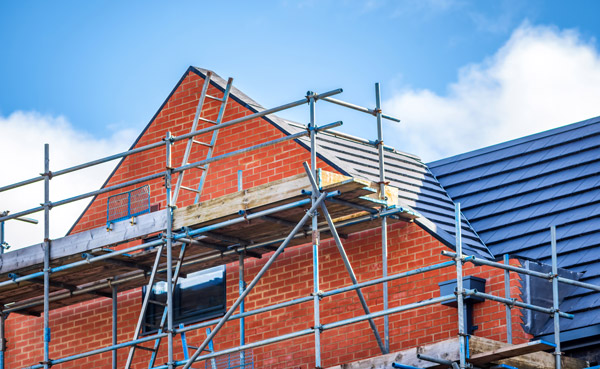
(256, 279)
(342, 251)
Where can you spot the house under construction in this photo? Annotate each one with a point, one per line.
(228, 237)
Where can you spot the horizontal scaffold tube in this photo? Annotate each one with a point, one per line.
(578, 283)
(80, 291)
(161, 174)
(174, 139)
(276, 306)
(324, 327)
(255, 147)
(479, 261)
(325, 294)
(359, 108)
(100, 350)
(520, 304)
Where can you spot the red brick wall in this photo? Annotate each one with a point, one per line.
(259, 166)
(87, 326)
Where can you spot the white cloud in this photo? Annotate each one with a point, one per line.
(22, 139)
(540, 79)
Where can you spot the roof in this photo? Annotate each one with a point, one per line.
(514, 191)
(419, 190)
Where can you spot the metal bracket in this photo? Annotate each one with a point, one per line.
(5, 245)
(320, 328)
(319, 294)
(310, 128)
(87, 257)
(49, 174)
(244, 213)
(512, 303)
(49, 204)
(170, 138)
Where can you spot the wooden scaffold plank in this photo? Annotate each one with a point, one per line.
(510, 351)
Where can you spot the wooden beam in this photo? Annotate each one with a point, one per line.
(283, 222)
(235, 241)
(210, 245)
(229, 239)
(510, 351)
(69, 287)
(448, 350)
(536, 360)
(65, 286)
(272, 194)
(128, 264)
(352, 205)
(31, 257)
(28, 312)
(100, 294)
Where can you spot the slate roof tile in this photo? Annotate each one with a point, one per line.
(514, 191)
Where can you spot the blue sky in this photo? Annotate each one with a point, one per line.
(107, 64)
(88, 76)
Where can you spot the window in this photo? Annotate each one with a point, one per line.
(199, 296)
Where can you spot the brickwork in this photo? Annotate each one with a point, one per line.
(87, 326)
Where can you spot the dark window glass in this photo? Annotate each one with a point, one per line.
(199, 296)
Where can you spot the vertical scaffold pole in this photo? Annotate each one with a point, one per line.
(242, 322)
(242, 287)
(459, 290)
(2, 233)
(507, 295)
(169, 210)
(557, 353)
(114, 325)
(384, 248)
(46, 256)
(315, 231)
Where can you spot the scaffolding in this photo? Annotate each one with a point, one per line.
(326, 199)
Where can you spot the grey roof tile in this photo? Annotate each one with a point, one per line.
(514, 191)
(419, 189)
